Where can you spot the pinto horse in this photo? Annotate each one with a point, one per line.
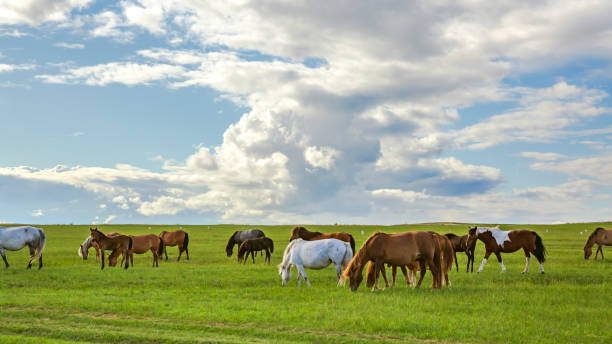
(399, 249)
(121, 243)
(140, 245)
(16, 238)
(460, 244)
(240, 236)
(176, 238)
(316, 255)
(600, 236)
(302, 232)
(498, 241)
(250, 246)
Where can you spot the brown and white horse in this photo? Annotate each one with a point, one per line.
(302, 232)
(498, 241)
(600, 236)
(177, 238)
(460, 244)
(397, 249)
(121, 243)
(141, 244)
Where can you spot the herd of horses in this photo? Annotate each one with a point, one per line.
(412, 252)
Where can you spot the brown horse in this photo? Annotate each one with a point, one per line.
(140, 245)
(600, 236)
(460, 244)
(250, 246)
(397, 249)
(302, 232)
(447, 255)
(240, 236)
(497, 241)
(84, 248)
(176, 238)
(121, 243)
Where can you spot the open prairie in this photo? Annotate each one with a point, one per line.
(212, 298)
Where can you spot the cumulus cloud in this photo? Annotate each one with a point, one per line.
(36, 12)
(12, 67)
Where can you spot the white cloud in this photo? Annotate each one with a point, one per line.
(37, 213)
(102, 206)
(598, 168)
(36, 12)
(12, 67)
(321, 157)
(542, 156)
(70, 45)
(109, 219)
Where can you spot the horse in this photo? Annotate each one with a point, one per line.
(314, 255)
(460, 244)
(16, 238)
(240, 236)
(498, 241)
(176, 238)
(250, 246)
(446, 258)
(600, 236)
(83, 250)
(140, 245)
(399, 249)
(121, 243)
(302, 232)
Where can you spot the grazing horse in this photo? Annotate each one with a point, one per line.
(600, 236)
(83, 250)
(460, 244)
(140, 245)
(121, 243)
(176, 238)
(250, 246)
(240, 236)
(498, 241)
(314, 255)
(16, 238)
(397, 249)
(302, 232)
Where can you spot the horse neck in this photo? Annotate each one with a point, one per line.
(488, 239)
(231, 242)
(87, 243)
(592, 238)
(306, 234)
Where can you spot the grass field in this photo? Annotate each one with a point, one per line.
(213, 299)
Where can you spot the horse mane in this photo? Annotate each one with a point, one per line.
(592, 236)
(282, 264)
(450, 235)
(308, 234)
(230, 242)
(359, 256)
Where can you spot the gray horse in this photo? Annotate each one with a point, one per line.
(240, 236)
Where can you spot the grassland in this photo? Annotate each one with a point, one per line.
(213, 299)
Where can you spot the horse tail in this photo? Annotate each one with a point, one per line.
(129, 244)
(352, 243)
(271, 246)
(160, 249)
(449, 255)
(540, 250)
(40, 247)
(186, 241)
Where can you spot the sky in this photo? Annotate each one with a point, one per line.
(305, 112)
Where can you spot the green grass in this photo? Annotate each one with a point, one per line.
(213, 299)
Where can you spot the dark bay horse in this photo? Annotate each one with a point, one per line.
(141, 244)
(498, 241)
(402, 249)
(460, 244)
(302, 232)
(250, 246)
(177, 238)
(240, 236)
(16, 238)
(600, 236)
(121, 243)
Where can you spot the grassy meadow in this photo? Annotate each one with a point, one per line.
(211, 298)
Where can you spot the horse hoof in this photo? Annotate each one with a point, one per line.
(542, 272)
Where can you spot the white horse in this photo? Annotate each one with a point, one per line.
(316, 254)
(16, 238)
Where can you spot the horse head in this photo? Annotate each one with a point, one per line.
(296, 232)
(587, 252)
(472, 236)
(285, 271)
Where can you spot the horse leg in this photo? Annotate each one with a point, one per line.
(4, 257)
(180, 252)
(423, 271)
(301, 270)
(131, 254)
(32, 251)
(97, 253)
(154, 256)
(253, 255)
(467, 268)
(126, 253)
(384, 274)
(338, 273)
(501, 262)
(376, 274)
(102, 256)
(456, 263)
(405, 272)
(527, 261)
(268, 256)
(165, 252)
(393, 274)
(484, 261)
(600, 249)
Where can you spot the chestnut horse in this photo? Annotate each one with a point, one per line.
(600, 236)
(498, 241)
(140, 245)
(250, 246)
(397, 249)
(121, 243)
(83, 250)
(177, 238)
(240, 236)
(460, 244)
(302, 232)
(447, 255)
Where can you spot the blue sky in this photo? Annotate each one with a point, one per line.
(262, 112)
